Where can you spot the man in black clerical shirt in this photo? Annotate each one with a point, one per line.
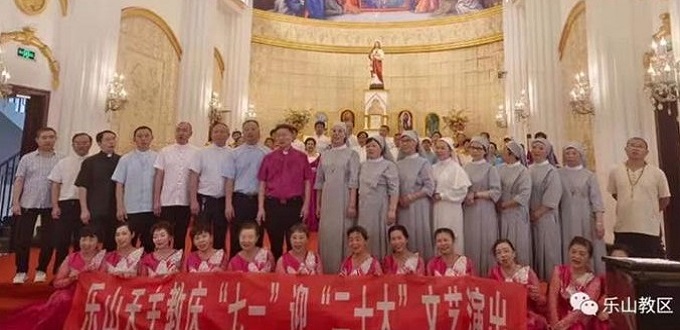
(97, 192)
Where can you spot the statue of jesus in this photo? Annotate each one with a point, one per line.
(376, 56)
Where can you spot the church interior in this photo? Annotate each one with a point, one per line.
(597, 72)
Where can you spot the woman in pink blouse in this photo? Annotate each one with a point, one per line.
(448, 262)
(123, 262)
(508, 270)
(568, 280)
(52, 313)
(164, 260)
(299, 260)
(251, 258)
(205, 259)
(402, 261)
(360, 262)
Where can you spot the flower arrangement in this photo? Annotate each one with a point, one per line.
(456, 120)
(298, 118)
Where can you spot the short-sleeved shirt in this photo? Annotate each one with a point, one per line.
(65, 173)
(174, 160)
(285, 173)
(35, 169)
(95, 175)
(637, 204)
(208, 163)
(242, 166)
(136, 172)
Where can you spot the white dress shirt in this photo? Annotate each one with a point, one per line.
(209, 163)
(175, 160)
(65, 173)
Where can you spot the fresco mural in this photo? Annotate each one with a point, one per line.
(373, 10)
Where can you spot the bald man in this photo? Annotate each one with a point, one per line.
(171, 183)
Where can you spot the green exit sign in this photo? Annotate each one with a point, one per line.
(26, 53)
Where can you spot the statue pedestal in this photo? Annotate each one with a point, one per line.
(375, 110)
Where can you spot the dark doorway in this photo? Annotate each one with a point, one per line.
(37, 106)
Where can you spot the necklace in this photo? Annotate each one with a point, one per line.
(632, 182)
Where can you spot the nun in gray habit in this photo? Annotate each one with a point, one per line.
(480, 217)
(379, 191)
(416, 186)
(337, 180)
(581, 207)
(514, 203)
(546, 192)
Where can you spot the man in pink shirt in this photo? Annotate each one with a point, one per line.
(283, 198)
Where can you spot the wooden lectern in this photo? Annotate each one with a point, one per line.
(643, 293)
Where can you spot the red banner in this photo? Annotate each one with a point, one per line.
(269, 301)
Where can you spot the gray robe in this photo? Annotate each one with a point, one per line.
(547, 247)
(514, 225)
(581, 199)
(415, 174)
(377, 182)
(338, 172)
(480, 218)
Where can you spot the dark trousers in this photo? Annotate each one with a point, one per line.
(178, 217)
(66, 229)
(23, 236)
(245, 210)
(105, 225)
(280, 216)
(141, 224)
(212, 214)
(641, 245)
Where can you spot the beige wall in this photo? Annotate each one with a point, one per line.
(331, 73)
(574, 60)
(150, 64)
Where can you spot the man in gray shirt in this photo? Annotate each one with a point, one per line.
(30, 199)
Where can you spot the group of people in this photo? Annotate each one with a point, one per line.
(413, 206)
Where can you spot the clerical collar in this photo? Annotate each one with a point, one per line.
(575, 168)
(340, 147)
(481, 161)
(515, 164)
(412, 156)
(379, 159)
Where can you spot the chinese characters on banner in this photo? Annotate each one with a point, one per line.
(269, 301)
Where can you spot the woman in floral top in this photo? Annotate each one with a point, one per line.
(164, 260)
(251, 258)
(360, 262)
(205, 259)
(448, 262)
(402, 261)
(299, 260)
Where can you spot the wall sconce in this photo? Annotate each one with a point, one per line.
(661, 81)
(251, 114)
(580, 95)
(521, 107)
(5, 88)
(117, 96)
(501, 117)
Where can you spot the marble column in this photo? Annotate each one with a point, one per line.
(88, 62)
(615, 66)
(543, 76)
(238, 64)
(196, 70)
(514, 48)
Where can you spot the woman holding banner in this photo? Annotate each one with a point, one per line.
(360, 262)
(402, 261)
(299, 260)
(448, 262)
(164, 260)
(52, 314)
(124, 261)
(205, 259)
(508, 270)
(251, 258)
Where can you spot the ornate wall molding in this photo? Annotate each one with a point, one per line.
(31, 7)
(64, 7)
(27, 36)
(158, 21)
(576, 11)
(219, 60)
(435, 35)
